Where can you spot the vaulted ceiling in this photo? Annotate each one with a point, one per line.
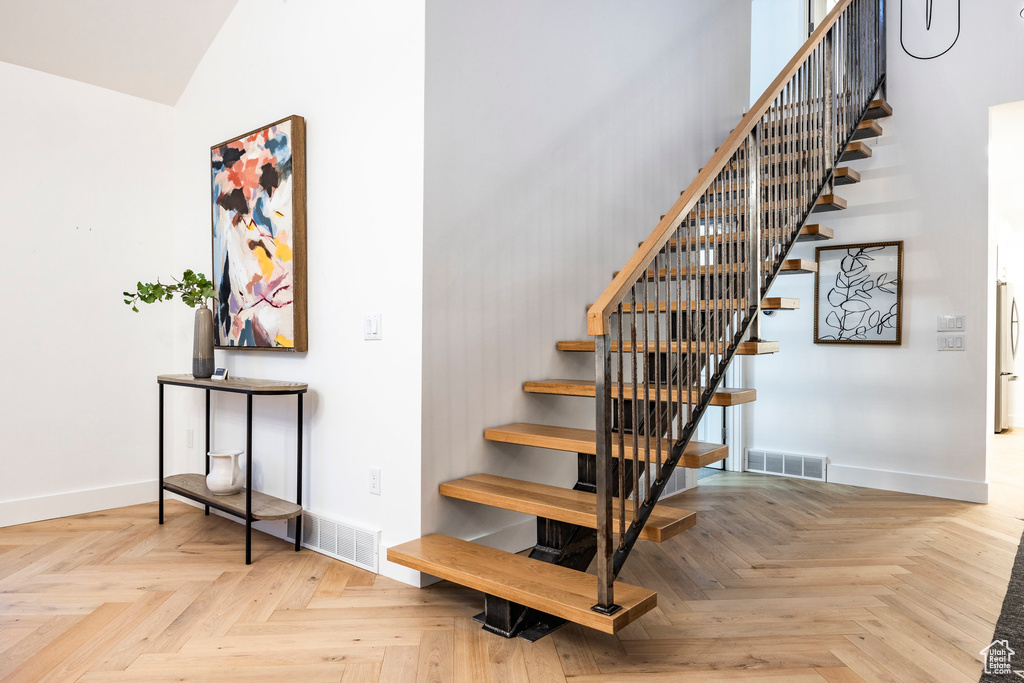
(146, 48)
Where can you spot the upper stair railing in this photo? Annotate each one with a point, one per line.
(693, 289)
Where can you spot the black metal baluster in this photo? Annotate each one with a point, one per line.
(658, 365)
(647, 378)
(621, 492)
(635, 403)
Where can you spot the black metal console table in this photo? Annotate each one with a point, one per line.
(247, 504)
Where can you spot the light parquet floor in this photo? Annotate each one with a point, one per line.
(781, 580)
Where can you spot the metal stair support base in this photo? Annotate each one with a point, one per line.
(560, 543)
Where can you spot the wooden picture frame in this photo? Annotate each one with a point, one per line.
(258, 227)
(858, 294)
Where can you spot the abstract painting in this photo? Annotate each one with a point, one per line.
(259, 238)
(858, 294)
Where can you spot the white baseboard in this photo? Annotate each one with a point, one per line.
(41, 508)
(905, 482)
(409, 577)
(512, 539)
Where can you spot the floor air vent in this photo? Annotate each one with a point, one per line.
(786, 464)
(342, 541)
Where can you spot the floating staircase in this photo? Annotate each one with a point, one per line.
(663, 334)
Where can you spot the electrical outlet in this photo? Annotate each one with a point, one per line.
(375, 481)
(189, 437)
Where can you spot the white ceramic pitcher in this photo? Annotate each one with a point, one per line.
(225, 475)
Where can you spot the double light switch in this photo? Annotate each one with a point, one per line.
(952, 323)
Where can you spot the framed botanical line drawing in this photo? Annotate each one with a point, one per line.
(259, 238)
(858, 294)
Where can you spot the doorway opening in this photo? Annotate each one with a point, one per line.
(1006, 272)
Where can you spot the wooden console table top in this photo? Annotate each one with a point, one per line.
(243, 385)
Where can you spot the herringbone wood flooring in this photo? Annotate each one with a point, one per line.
(781, 580)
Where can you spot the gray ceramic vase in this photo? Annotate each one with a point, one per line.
(202, 344)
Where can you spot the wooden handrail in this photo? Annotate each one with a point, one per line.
(599, 313)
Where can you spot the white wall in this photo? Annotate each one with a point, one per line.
(355, 72)
(85, 215)
(777, 30)
(907, 418)
(1006, 217)
(557, 134)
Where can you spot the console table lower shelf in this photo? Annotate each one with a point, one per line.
(264, 506)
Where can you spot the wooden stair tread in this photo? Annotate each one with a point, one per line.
(782, 159)
(855, 151)
(671, 273)
(747, 348)
(572, 440)
(549, 588)
(830, 202)
(777, 303)
(878, 109)
(868, 128)
(732, 210)
(702, 241)
(814, 233)
(757, 348)
(790, 265)
(585, 388)
(798, 265)
(663, 306)
(845, 176)
(564, 505)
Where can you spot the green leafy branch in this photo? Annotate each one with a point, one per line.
(193, 288)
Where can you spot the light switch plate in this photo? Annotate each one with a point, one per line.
(950, 323)
(952, 342)
(372, 327)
